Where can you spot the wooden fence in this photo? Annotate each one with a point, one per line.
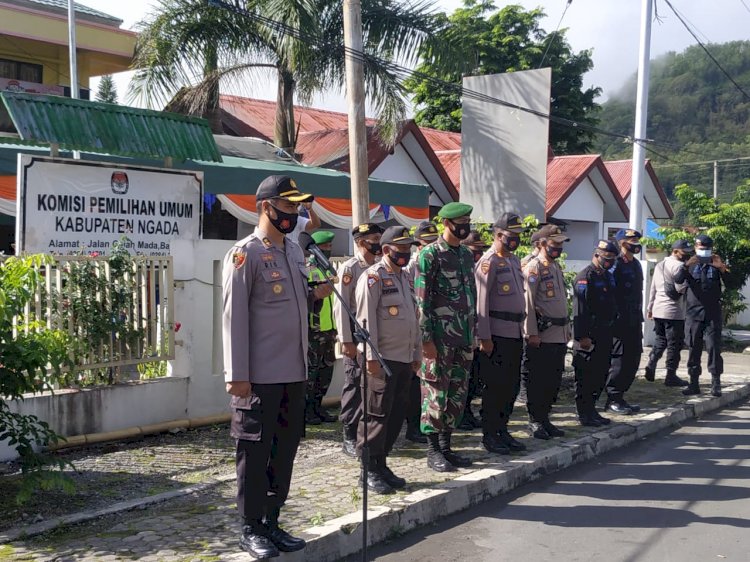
(118, 315)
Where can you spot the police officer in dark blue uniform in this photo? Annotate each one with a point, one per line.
(594, 315)
(703, 315)
(627, 346)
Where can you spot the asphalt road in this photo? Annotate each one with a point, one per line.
(680, 496)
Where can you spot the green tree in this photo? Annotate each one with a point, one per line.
(729, 225)
(189, 50)
(695, 110)
(491, 41)
(32, 359)
(107, 91)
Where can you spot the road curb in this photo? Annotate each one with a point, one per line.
(342, 537)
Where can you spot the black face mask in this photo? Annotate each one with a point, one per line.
(401, 259)
(683, 256)
(327, 253)
(511, 242)
(553, 253)
(460, 231)
(633, 248)
(374, 248)
(605, 263)
(284, 222)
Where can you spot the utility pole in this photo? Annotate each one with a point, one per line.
(72, 49)
(355, 98)
(716, 179)
(641, 115)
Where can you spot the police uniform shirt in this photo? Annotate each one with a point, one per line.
(500, 287)
(346, 286)
(594, 305)
(545, 295)
(264, 324)
(628, 275)
(385, 300)
(660, 304)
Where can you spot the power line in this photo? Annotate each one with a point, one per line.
(404, 73)
(554, 35)
(745, 4)
(716, 62)
(706, 161)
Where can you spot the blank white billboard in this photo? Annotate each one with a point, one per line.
(504, 150)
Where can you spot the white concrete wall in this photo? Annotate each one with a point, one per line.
(583, 237)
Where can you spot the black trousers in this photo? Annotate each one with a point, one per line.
(670, 335)
(351, 393)
(627, 348)
(414, 404)
(546, 364)
(591, 369)
(501, 375)
(387, 399)
(268, 426)
(706, 332)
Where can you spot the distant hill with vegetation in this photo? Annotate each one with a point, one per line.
(696, 110)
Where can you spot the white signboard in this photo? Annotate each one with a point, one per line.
(80, 207)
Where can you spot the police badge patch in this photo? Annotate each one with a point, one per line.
(238, 259)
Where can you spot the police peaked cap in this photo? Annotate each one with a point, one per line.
(606, 246)
(365, 229)
(624, 233)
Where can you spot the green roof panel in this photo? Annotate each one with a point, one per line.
(113, 129)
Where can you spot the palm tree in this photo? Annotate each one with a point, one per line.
(188, 50)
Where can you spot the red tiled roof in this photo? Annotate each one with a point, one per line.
(621, 172)
(260, 115)
(322, 139)
(564, 173)
(330, 149)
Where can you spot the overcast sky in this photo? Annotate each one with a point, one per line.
(609, 27)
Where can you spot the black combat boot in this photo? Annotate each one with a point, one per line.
(311, 416)
(444, 440)
(254, 540)
(435, 459)
(322, 413)
(493, 444)
(350, 440)
(376, 482)
(692, 388)
(649, 373)
(716, 385)
(393, 481)
(278, 536)
(509, 441)
(673, 380)
(552, 430)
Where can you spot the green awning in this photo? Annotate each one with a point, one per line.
(242, 176)
(112, 129)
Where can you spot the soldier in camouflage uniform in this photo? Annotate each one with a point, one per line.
(322, 340)
(446, 299)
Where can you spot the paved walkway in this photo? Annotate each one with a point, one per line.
(203, 525)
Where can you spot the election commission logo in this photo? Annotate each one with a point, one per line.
(120, 183)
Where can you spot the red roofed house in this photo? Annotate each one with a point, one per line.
(581, 192)
(323, 141)
(655, 202)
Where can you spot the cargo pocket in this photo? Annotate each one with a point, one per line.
(376, 396)
(247, 418)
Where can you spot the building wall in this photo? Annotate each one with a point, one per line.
(583, 237)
